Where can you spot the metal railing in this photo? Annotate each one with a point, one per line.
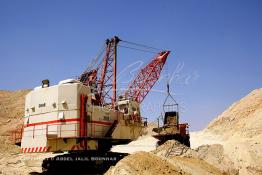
(60, 130)
(16, 135)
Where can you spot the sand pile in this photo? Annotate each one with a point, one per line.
(142, 163)
(207, 158)
(239, 131)
(243, 118)
(171, 148)
(169, 158)
(214, 155)
(144, 143)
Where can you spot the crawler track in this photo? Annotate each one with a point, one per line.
(81, 163)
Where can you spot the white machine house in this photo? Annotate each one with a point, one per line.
(64, 117)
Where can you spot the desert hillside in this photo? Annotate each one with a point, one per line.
(239, 130)
(11, 109)
(11, 117)
(243, 118)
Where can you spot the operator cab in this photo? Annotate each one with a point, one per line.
(131, 109)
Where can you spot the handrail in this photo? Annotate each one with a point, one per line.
(60, 130)
(16, 135)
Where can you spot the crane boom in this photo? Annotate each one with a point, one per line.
(107, 81)
(104, 76)
(146, 78)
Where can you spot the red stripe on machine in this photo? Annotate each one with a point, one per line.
(66, 120)
(52, 121)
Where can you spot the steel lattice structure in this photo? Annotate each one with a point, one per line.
(107, 81)
(146, 78)
(104, 76)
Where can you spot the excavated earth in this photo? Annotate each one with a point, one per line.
(231, 144)
(239, 130)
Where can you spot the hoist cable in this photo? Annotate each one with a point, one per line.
(142, 50)
(141, 45)
(96, 59)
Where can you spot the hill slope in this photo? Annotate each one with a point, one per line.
(11, 109)
(243, 118)
(239, 130)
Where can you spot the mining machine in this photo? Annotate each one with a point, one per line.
(83, 118)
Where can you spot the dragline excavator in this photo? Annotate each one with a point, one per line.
(84, 116)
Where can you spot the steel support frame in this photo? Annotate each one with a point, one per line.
(146, 78)
(107, 82)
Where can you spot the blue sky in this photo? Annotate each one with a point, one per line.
(215, 45)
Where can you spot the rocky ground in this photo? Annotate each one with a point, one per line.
(231, 144)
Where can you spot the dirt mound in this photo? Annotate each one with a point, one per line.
(239, 130)
(144, 143)
(168, 158)
(170, 148)
(195, 166)
(199, 161)
(142, 163)
(243, 118)
(214, 155)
